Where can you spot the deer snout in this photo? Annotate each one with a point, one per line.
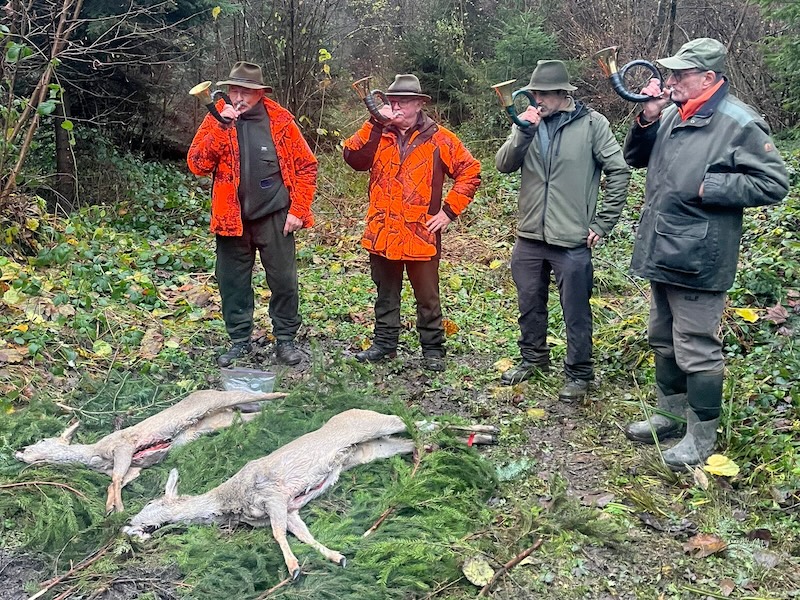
(135, 532)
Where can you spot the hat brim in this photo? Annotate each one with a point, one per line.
(247, 84)
(550, 88)
(677, 64)
(408, 95)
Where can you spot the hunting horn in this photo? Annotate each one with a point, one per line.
(607, 59)
(200, 91)
(369, 97)
(507, 97)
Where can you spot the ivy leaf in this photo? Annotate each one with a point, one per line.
(717, 464)
(477, 571)
(47, 107)
(102, 348)
(748, 314)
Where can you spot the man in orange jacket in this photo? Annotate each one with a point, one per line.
(408, 156)
(264, 179)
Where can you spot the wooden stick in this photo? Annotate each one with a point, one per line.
(51, 583)
(275, 588)
(53, 483)
(391, 509)
(508, 566)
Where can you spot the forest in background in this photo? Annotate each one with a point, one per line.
(74, 69)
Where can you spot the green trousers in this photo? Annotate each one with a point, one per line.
(234, 272)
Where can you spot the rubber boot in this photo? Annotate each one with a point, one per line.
(670, 398)
(704, 391)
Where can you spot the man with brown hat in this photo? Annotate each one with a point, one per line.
(562, 154)
(264, 179)
(708, 156)
(408, 156)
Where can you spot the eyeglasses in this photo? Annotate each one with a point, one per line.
(679, 75)
(401, 101)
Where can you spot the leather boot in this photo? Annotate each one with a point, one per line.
(375, 353)
(287, 353)
(704, 391)
(522, 371)
(237, 350)
(671, 399)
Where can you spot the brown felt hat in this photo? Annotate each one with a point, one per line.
(406, 85)
(246, 75)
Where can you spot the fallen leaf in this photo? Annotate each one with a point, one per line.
(726, 587)
(12, 355)
(477, 571)
(600, 500)
(777, 314)
(748, 314)
(717, 464)
(766, 559)
(700, 478)
(151, 344)
(704, 544)
(504, 364)
(536, 414)
(102, 348)
(495, 264)
(450, 327)
(761, 534)
(454, 283)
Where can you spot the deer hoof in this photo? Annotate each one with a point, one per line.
(343, 562)
(296, 574)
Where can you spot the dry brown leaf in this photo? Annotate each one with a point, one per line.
(450, 327)
(12, 355)
(777, 314)
(151, 345)
(704, 544)
(726, 587)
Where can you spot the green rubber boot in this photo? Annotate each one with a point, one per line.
(671, 405)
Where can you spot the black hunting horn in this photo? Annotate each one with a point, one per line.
(507, 97)
(607, 59)
(369, 97)
(200, 91)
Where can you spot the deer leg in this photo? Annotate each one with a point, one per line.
(299, 529)
(384, 447)
(278, 520)
(123, 455)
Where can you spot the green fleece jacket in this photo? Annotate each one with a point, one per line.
(559, 192)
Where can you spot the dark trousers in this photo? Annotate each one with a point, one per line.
(424, 277)
(531, 264)
(234, 272)
(684, 325)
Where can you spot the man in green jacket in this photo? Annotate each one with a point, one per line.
(708, 156)
(562, 154)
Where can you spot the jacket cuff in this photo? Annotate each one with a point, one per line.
(449, 212)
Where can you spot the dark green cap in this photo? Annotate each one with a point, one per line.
(703, 53)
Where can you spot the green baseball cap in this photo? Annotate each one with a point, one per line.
(703, 53)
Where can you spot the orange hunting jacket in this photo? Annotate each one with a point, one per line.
(405, 185)
(215, 151)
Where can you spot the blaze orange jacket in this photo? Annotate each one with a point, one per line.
(215, 151)
(405, 185)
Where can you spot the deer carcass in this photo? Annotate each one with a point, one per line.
(274, 488)
(122, 454)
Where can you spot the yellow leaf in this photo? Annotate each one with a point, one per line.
(101, 348)
(215, 12)
(477, 571)
(32, 224)
(748, 314)
(23, 327)
(504, 364)
(536, 414)
(454, 282)
(12, 297)
(717, 464)
(496, 264)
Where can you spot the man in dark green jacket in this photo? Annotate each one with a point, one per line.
(562, 154)
(708, 156)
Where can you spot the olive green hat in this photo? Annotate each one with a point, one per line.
(406, 85)
(549, 76)
(703, 53)
(246, 75)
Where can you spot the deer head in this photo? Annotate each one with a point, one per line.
(48, 449)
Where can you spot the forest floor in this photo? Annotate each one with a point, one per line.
(606, 520)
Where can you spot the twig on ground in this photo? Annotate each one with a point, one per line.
(508, 566)
(51, 583)
(275, 588)
(391, 509)
(53, 483)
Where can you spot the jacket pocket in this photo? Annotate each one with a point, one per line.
(680, 243)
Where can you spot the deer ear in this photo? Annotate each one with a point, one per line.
(171, 489)
(70, 431)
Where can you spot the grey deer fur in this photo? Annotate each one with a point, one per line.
(124, 453)
(274, 488)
